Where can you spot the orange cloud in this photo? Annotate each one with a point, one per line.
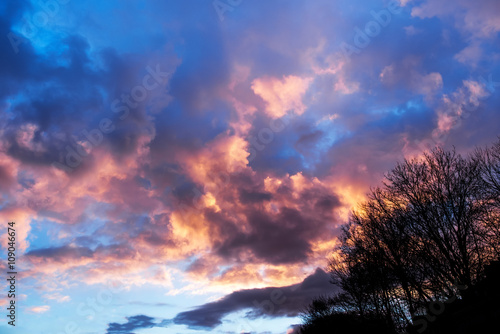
(283, 95)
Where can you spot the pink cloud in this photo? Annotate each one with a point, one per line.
(479, 18)
(38, 309)
(58, 297)
(407, 73)
(470, 55)
(282, 96)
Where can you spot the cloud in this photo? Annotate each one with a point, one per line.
(134, 323)
(406, 73)
(294, 209)
(38, 309)
(346, 87)
(270, 302)
(459, 104)
(58, 297)
(411, 30)
(478, 18)
(61, 254)
(282, 96)
(470, 55)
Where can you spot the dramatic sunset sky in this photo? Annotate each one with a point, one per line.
(185, 166)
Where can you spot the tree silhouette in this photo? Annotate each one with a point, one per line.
(327, 315)
(432, 227)
(488, 161)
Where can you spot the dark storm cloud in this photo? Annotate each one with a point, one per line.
(62, 253)
(284, 239)
(65, 89)
(286, 301)
(248, 197)
(68, 253)
(133, 323)
(283, 235)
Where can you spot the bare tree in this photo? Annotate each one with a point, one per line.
(488, 160)
(433, 223)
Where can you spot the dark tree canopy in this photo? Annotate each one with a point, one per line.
(427, 232)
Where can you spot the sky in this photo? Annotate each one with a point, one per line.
(186, 166)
